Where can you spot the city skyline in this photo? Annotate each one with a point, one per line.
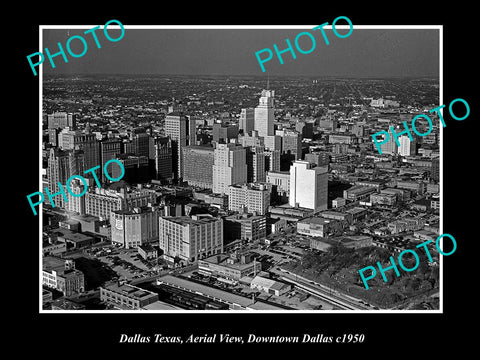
(310, 188)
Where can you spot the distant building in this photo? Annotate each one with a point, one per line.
(401, 194)
(358, 130)
(305, 128)
(388, 148)
(318, 158)
(383, 199)
(345, 217)
(326, 124)
(76, 140)
(61, 275)
(383, 103)
(223, 133)
(417, 186)
(407, 147)
(251, 139)
(406, 224)
(247, 120)
(60, 120)
(341, 139)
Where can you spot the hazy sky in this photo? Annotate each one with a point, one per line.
(366, 52)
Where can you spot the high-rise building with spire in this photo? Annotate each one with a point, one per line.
(264, 114)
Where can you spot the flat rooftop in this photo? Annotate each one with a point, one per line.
(186, 220)
(205, 290)
(72, 236)
(160, 305)
(316, 221)
(130, 291)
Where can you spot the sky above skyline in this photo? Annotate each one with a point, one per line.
(365, 53)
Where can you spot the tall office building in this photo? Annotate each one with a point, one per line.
(190, 238)
(161, 154)
(407, 147)
(251, 139)
(76, 140)
(264, 114)
(255, 164)
(61, 165)
(273, 142)
(109, 149)
(76, 203)
(230, 167)
(247, 120)
(137, 144)
(223, 133)
(53, 137)
(250, 198)
(292, 143)
(308, 186)
(272, 160)
(198, 166)
(181, 129)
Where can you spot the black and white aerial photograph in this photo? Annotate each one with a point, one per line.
(245, 182)
(262, 191)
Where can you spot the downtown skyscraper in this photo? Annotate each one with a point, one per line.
(181, 130)
(264, 114)
(230, 167)
(308, 186)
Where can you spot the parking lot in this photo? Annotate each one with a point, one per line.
(127, 263)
